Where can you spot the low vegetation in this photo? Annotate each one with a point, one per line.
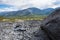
(23, 18)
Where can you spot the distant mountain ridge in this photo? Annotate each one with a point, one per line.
(47, 11)
(27, 12)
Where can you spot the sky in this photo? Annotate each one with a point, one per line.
(13, 5)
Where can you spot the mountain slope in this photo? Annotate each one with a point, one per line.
(47, 11)
(27, 12)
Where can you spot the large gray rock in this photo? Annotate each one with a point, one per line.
(50, 27)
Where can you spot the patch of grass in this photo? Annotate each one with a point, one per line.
(36, 17)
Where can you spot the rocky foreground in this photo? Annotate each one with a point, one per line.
(23, 30)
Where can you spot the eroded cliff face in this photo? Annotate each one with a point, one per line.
(50, 27)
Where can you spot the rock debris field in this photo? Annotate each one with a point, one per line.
(18, 30)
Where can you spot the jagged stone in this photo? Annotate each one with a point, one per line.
(50, 27)
(18, 30)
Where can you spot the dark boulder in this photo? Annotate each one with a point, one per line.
(50, 27)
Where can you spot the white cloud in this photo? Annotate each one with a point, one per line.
(23, 4)
(8, 9)
(42, 3)
(30, 3)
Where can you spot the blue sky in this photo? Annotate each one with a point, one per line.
(11, 5)
(4, 6)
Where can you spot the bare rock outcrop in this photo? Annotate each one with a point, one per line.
(50, 27)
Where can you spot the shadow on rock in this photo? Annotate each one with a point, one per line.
(50, 27)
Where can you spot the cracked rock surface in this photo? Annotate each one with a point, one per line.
(18, 30)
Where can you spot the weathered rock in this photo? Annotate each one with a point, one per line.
(18, 30)
(50, 27)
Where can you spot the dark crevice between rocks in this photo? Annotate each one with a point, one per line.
(52, 21)
(48, 33)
